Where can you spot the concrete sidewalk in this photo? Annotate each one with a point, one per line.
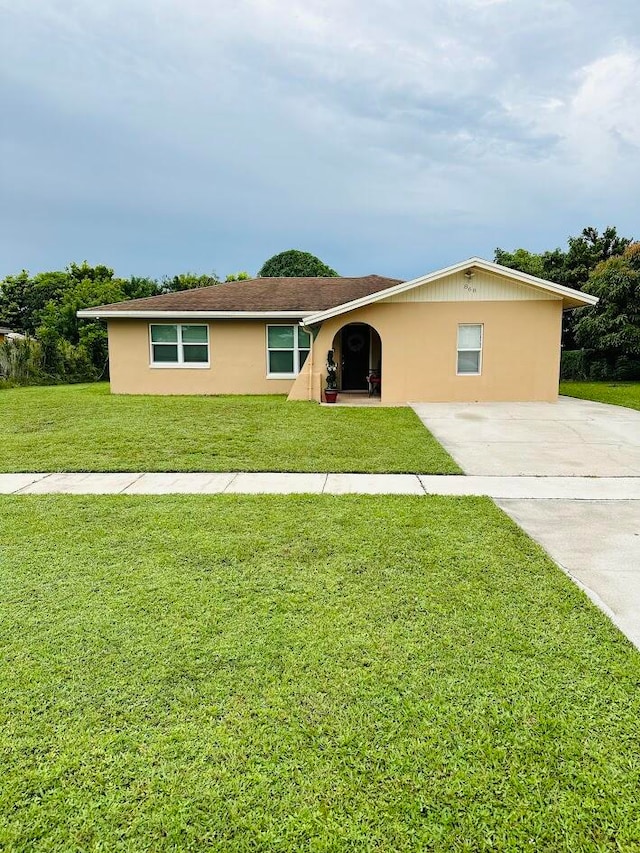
(515, 488)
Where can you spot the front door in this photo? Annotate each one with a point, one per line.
(355, 342)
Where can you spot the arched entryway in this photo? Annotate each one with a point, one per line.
(358, 352)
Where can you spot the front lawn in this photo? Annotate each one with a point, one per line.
(617, 393)
(304, 673)
(85, 428)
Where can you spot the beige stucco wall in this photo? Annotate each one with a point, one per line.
(237, 357)
(520, 359)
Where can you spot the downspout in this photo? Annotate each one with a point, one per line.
(313, 331)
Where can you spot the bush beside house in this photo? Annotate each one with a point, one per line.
(584, 365)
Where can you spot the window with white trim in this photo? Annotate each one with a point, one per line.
(179, 345)
(287, 350)
(469, 349)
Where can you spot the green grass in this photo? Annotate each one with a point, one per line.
(304, 673)
(617, 393)
(85, 428)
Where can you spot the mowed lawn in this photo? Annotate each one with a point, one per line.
(85, 428)
(304, 673)
(617, 393)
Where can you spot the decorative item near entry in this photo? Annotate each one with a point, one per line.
(356, 342)
(374, 380)
(331, 390)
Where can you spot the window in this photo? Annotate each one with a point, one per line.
(287, 350)
(174, 345)
(469, 350)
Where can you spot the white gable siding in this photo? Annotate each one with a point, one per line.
(483, 287)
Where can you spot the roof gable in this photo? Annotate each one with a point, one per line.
(472, 286)
(508, 278)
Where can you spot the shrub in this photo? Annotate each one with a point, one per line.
(573, 364)
(626, 367)
(598, 370)
(20, 361)
(28, 361)
(583, 365)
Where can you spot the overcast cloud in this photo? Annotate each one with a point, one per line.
(160, 136)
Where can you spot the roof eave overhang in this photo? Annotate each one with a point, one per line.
(571, 298)
(569, 302)
(98, 314)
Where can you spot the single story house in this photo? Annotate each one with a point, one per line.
(475, 331)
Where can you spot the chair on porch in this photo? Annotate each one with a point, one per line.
(374, 381)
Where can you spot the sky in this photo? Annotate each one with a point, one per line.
(385, 136)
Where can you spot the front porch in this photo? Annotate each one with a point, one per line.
(356, 351)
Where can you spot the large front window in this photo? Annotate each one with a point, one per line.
(179, 345)
(287, 350)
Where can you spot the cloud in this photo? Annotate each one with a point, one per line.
(604, 112)
(595, 122)
(263, 122)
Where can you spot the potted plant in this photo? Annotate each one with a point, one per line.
(331, 390)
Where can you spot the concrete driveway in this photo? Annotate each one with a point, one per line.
(596, 541)
(570, 438)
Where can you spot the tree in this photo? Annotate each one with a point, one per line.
(188, 281)
(46, 305)
(548, 265)
(587, 251)
(612, 327)
(22, 298)
(238, 276)
(60, 326)
(295, 263)
(137, 287)
(571, 268)
(522, 260)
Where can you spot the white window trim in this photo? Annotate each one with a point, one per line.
(180, 364)
(460, 349)
(296, 350)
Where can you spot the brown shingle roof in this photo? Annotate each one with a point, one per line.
(261, 294)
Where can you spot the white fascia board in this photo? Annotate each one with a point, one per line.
(480, 263)
(96, 314)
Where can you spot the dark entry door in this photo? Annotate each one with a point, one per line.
(355, 342)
